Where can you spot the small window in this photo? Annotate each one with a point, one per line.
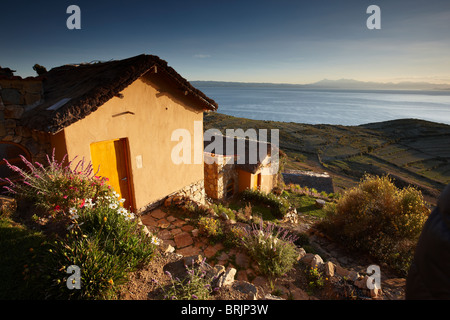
(12, 152)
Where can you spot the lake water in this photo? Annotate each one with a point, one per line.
(343, 107)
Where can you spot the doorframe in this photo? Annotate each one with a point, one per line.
(130, 184)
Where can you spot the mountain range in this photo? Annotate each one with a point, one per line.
(341, 84)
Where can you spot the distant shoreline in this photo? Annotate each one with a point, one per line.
(342, 84)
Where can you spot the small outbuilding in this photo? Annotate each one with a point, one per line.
(244, 164)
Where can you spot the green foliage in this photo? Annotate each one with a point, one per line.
(234, 236)
(315, 278)
(220, 208)
(21, 279)
(105, 244)
(57, 187)
(210, 227)
(196, 285)
(278, 205)
(99, 236)
(378, 218)
(272, 248)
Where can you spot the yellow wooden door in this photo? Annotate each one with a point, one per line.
(112, 157)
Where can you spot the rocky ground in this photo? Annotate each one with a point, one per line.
(344, 275)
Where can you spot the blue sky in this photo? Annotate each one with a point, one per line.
(248, 41)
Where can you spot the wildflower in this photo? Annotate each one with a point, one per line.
(194, 296)
(56, 208)
(129, 216)
(105, 218)
(111, 282)
(88, 203)
(82, 203)
(72, 211)
(122, 211)
(113, 205)
(155, 240)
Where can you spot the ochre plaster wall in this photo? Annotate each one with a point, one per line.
(148, 130)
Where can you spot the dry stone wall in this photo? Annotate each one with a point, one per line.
(17, 96)
(218, 175)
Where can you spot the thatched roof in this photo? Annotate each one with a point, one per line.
(73, 92)
(242, 158)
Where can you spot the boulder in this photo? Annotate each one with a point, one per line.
(227, 278)
(329, 269)
(316, 261)
(246, 288)
(320, 203)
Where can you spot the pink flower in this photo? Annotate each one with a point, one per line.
(82, 203)
(65, 197)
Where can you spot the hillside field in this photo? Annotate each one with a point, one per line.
(411, 151)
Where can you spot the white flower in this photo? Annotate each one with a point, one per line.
(122, 200)
(72, 211)
(129, 216)
(122, 211)
(88, 203)
(113, 205)
(115, 194)
(155, 240)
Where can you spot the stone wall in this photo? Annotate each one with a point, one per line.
(195, 191)
(319, 181)
(17, 96)
(218, 175)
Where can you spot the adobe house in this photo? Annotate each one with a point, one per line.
(231, 170)
(118, 114)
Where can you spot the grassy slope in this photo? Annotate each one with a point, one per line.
(412, 151)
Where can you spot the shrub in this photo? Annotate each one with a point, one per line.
(234, 236)
(195, 286)
(220, 209)
(380, 219)
(279, 206)
(106, 243)
(272, 248)
(315, 278)
(57, 187)
(102, 238)
(210, 227)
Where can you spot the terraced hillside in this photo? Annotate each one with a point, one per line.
(411, 151)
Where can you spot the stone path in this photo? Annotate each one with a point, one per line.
(183, 238)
